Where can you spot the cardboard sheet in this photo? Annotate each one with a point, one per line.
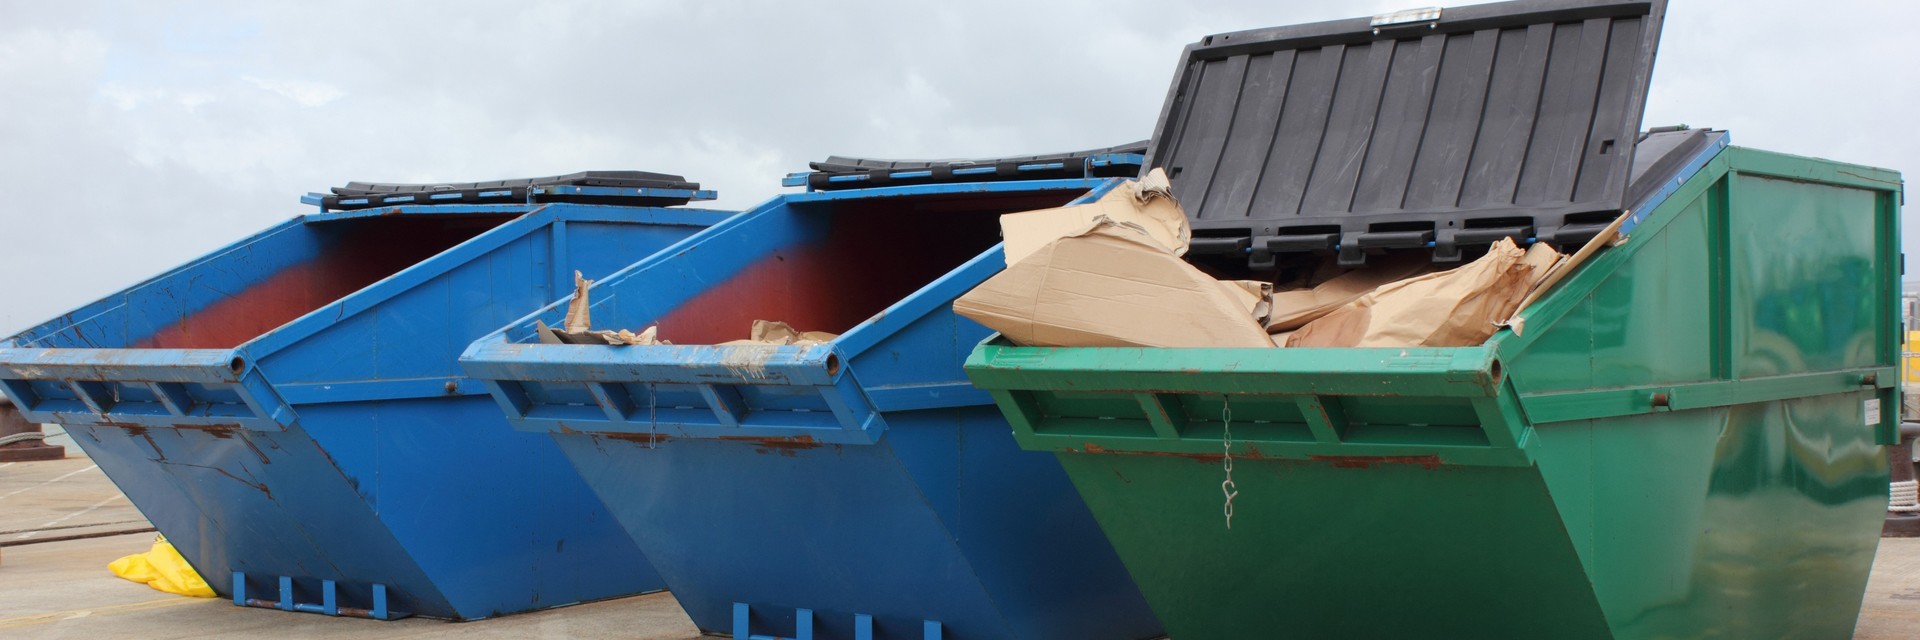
(1294, 309)
(579, 315)
(1456, 308)
(770, 332)
(622, 338)
(1255, 295)
(1113, 284)
(1147, 203)
(577, 328)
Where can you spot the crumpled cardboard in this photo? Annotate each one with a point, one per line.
(1147, 203)
(578, 325)
(1114, 284)
(1455, 308)
(1294, 309)
(1255, 295)
(622, 338)
(775, 333)
(579, 314)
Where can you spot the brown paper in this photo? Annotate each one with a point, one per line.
(578, 325)
(1255, 295)
(579, 315)
(1112, 284)
(621, 338)
(1294, 309)
(1456, 308)
(769, 332)
(1147, 203)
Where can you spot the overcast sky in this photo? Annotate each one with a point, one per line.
(135, 136)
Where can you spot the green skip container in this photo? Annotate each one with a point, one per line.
(1685, 440)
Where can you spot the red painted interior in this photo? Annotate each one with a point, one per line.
(358, 253)
(875, 253)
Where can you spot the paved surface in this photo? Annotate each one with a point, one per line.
(1892, 607)
(61, 588)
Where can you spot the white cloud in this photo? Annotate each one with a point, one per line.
(307, 94)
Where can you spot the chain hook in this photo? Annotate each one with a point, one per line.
(1226, 444)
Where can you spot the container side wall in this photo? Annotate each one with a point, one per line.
(1745, 516)
(497, 517)
(268, 504)
(1011, 513)
(1755, 521)
(1322, 550)
(1650, 321)
(1804, 262)
(836, 529)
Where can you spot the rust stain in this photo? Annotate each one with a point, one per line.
(256, 450)
(788, 446)
(1203, 458)
(642, 438)
(1429, 462)
(225, 430)
(222, 431)
(155, 446)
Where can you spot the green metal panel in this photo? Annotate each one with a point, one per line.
(1802, 255)
(1322, 550)
(1678, 445)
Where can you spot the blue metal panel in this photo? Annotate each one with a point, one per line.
(855, 489)
(921, 372)
(340, 462)
(451, 481)
(218, 497)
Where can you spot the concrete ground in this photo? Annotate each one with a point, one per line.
(62, 521)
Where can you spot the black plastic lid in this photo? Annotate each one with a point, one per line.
(635, 188)
(840, 172)
(1410, 129)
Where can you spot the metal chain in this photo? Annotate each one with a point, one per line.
(1226, 444)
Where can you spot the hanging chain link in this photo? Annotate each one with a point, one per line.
(1226, 444)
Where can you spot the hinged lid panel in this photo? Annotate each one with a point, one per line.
(1515, 113)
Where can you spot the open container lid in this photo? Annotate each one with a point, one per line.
(627, 188)
(841, 172)
(1411, 129)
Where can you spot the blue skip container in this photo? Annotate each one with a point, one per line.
(860, 488)
(290, 413)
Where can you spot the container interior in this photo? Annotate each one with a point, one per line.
(851, 260)
(252, 288)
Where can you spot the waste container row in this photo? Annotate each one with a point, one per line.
(1680, 438)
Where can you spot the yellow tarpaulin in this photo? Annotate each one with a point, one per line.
(162, 568)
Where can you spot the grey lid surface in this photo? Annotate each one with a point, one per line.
(1402, 132)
